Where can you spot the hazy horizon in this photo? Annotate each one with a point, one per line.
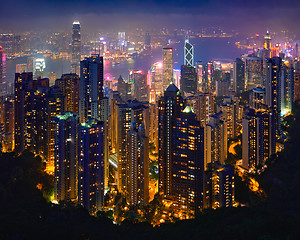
(117, 15)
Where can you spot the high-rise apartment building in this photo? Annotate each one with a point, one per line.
(138, 165)
(253, 72)
(91, 87)
(127, 114)
(287, 88)
(169, 108)
(187, 165)
(215, 140)
(219, 186)
(91, 146)
(203, 106)
(66, 157)
(69, 86)
(258, 139)
(273, 90)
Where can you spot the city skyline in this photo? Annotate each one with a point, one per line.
(142, 126)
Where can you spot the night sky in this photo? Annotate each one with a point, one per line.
(242, 15)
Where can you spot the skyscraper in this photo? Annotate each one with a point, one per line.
(8, 127)
(147, 41)
(91, 165)
(254, 72)
(273, 90)
(188, 79)
(230, 110)
(187, 165)
(258, 139)
(157, 78)
(167, 67)
(69, 86)
(141, 87)
(76, 48)
(267, 44)
(287, 88)
(169, 108)
(3, 84)
(257, 98)
(39, 68)
(121, 38)
(215, 140)
(127, 114)
(238, 76)
(203, 106)
(91, 87)
(66, 165)
(123, 88)
(219, 186)
(55, 106)
(188, 53)
(201, 76)
(138, 165)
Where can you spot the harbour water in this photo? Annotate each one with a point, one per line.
(205, 49)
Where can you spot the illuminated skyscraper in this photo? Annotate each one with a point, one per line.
(187, 165)
(258, 139)
(138, 165)
(55, 106)
(91, 165)
(254, 72)
(257, 98)
(141, 88)
(39, 68)
(230, 110)
(167, 67)
(219, 186)
(52, 78)
(22, 67)
(267, 44)
(123, 88)
(29, 110)
(287, 88)
(201, 76)
(169, 108)
(66, 163)
(273, 90)
(215, 140)
(188, 53)
(8, 127)
(76, 48)
(188, 80)
(203, 106)
(238, 76)
(69, 86)
(91, 87)
(122, 39)
(127, 114)
(3, 84)
(157, 78)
